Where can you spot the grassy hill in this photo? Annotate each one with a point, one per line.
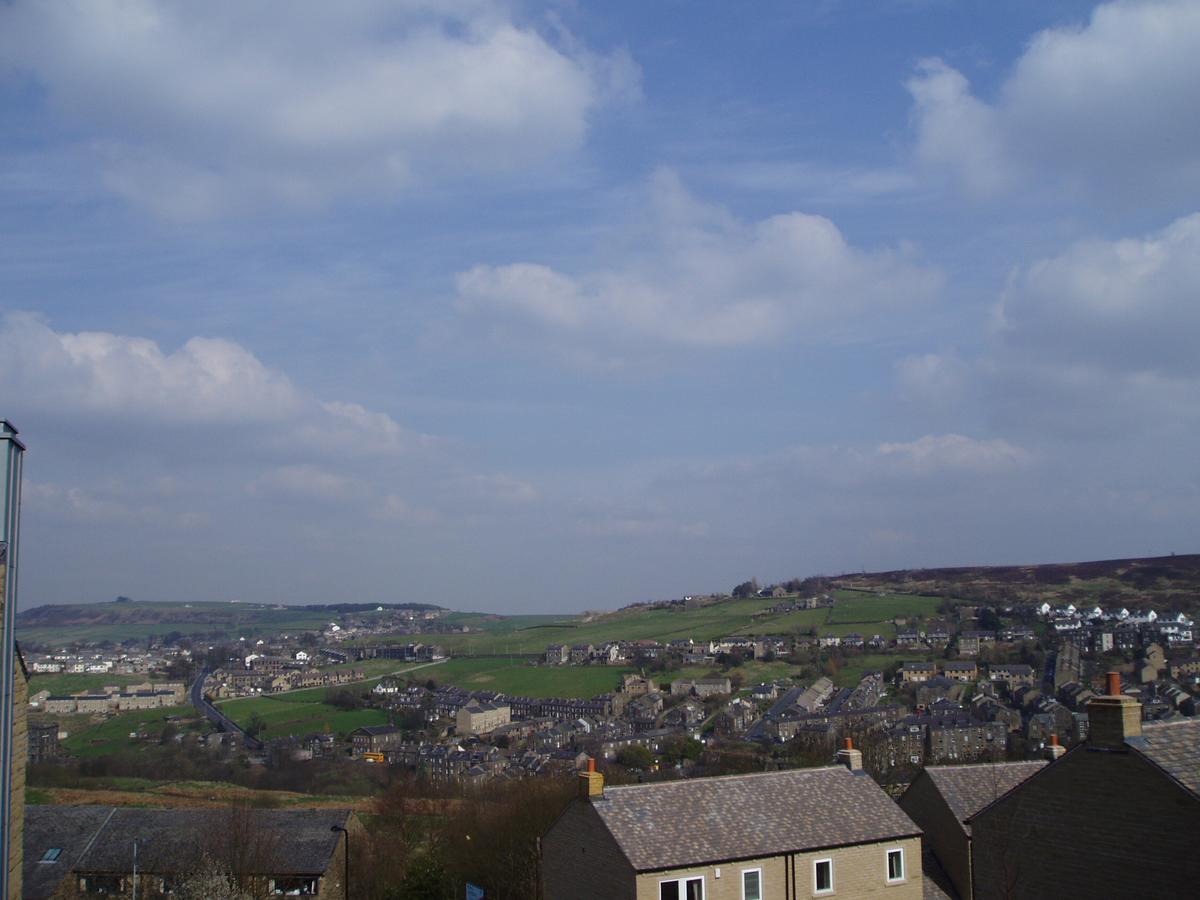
(121, 620)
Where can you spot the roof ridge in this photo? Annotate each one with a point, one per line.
(736, 776)
(1007, 762)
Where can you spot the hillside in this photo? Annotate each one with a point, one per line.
(121, 619)
(1165, 582)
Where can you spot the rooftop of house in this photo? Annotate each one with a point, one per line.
(375, 730)
(1175, 748)
(672, 824)
(65, 829)
(968, 789)
(99, 839)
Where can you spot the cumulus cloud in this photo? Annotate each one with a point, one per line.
(1127, 305)
(709, 279)
(92, 375)
(1105, 106)
(206, 381)
(194, 110)
(1097, 341)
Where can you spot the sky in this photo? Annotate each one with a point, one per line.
(553, 306)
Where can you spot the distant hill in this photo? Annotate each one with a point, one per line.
(123, 618)
(1161, 581)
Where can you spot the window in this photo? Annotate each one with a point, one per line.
(752, 884)
(691, 888)
(895, 865)
(295, 887)
(51, 855)
(102, 884)
(823, 876)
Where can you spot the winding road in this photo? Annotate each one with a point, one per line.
(221, 721)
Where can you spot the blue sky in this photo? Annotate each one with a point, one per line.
(553, 306)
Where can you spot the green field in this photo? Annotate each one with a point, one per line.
(112, 735)
(512, 676)
(300, 713)
(531, 634)
(858, 607)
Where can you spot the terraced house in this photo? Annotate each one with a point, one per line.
(828, 832)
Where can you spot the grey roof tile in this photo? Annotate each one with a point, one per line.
(295, 842)
(65, 828)
(1175, 747)
(682, 823)
(968, 789)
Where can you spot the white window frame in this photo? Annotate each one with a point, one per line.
(887, 866)
(820, 892)
(761, 892)
(682, 881)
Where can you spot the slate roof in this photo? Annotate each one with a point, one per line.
(66, 828)
(968, 789)
(672, 824)
(299, 841)
(1175, 748)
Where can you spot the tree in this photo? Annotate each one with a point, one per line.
(635, 757)
(746, 589)
(243, 845)
(209, 881)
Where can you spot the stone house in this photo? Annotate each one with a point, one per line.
(942, 800)
(86, 850)
(916, 672)
(1116, 816)
(701, 687)
(964, 670)
(765, 836)
(374, 739)
(478, 717)
(1014, 674)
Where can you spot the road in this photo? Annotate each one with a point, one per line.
(222, 722)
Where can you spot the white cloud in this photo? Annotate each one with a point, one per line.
(1095, 342)
(206, 382)
(955, 130)
(941, 379)
(195, 109)
(103, 506)
(1126, 305)
(498, 488)
(1108, 106)
(305, 482)
(951, 452)
(708, 279)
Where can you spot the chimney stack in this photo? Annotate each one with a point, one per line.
(1114, 717)
(591, 783)
(849, 757)
(1054, 750)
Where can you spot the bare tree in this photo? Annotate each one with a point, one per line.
(242, 844)
(209, 881)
